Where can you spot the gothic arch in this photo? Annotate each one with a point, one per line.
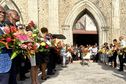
(77, 9)
(11, 5)
(86, 12)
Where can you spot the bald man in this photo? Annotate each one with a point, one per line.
(12, 17)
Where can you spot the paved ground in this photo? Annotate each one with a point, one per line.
(77, 74)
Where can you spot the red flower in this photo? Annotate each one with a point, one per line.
(46, 46)
(13, 29)
(8, 39)
(31, 24)
(34, 46)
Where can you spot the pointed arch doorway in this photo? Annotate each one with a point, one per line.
(85, 29)
(98, 18)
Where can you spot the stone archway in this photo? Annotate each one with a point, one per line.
(77, 9)
(85, 29)
(11, 5)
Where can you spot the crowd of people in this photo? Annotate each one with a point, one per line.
(47, 52)
(56, 52)
(114, 54)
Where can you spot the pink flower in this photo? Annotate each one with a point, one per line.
(23, 46)
(29, 44)
(46, 46)
(22, 37)
(7, 30)
(8, 39)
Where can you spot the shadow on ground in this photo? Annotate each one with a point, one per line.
(28, 81)
(120, 74)
(58, 69)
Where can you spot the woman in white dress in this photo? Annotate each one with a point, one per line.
(86, 55)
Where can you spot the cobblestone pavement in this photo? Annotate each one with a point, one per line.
(77, 74)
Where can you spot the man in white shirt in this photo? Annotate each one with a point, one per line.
(121, 56)
(94, 51)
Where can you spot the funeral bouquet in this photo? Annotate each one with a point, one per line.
(43, 43)
(44, 47)
(25, 44)
(6, 38)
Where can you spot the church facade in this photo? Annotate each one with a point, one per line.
(59, 16)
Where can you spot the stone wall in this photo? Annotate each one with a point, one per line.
(105, 6)
(43, 13)
(64, 7)
(23, 7)
(123, 16)
(42, 9)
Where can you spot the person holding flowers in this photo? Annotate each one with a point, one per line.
(122, 56)
(12, 19)
(27, 46)
(5, 61)
(115, 53)
(23, 63)
(42, 54)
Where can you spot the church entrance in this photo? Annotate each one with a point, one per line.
(85, 29)
(85, 39)
(85, 22)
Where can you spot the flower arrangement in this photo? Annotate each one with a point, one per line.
(7, 38)
(102, 50)
(32, 27)
(25, 44)
(29, 42)
(29, 48)
(44, 47)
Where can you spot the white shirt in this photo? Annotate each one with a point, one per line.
(94, 50)
(69, 54)
(123, 44)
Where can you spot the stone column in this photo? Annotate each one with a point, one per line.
(68, 34)
(33, 11)
(53, 24)
(100, 40)
(105, 34)
(115, 18)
